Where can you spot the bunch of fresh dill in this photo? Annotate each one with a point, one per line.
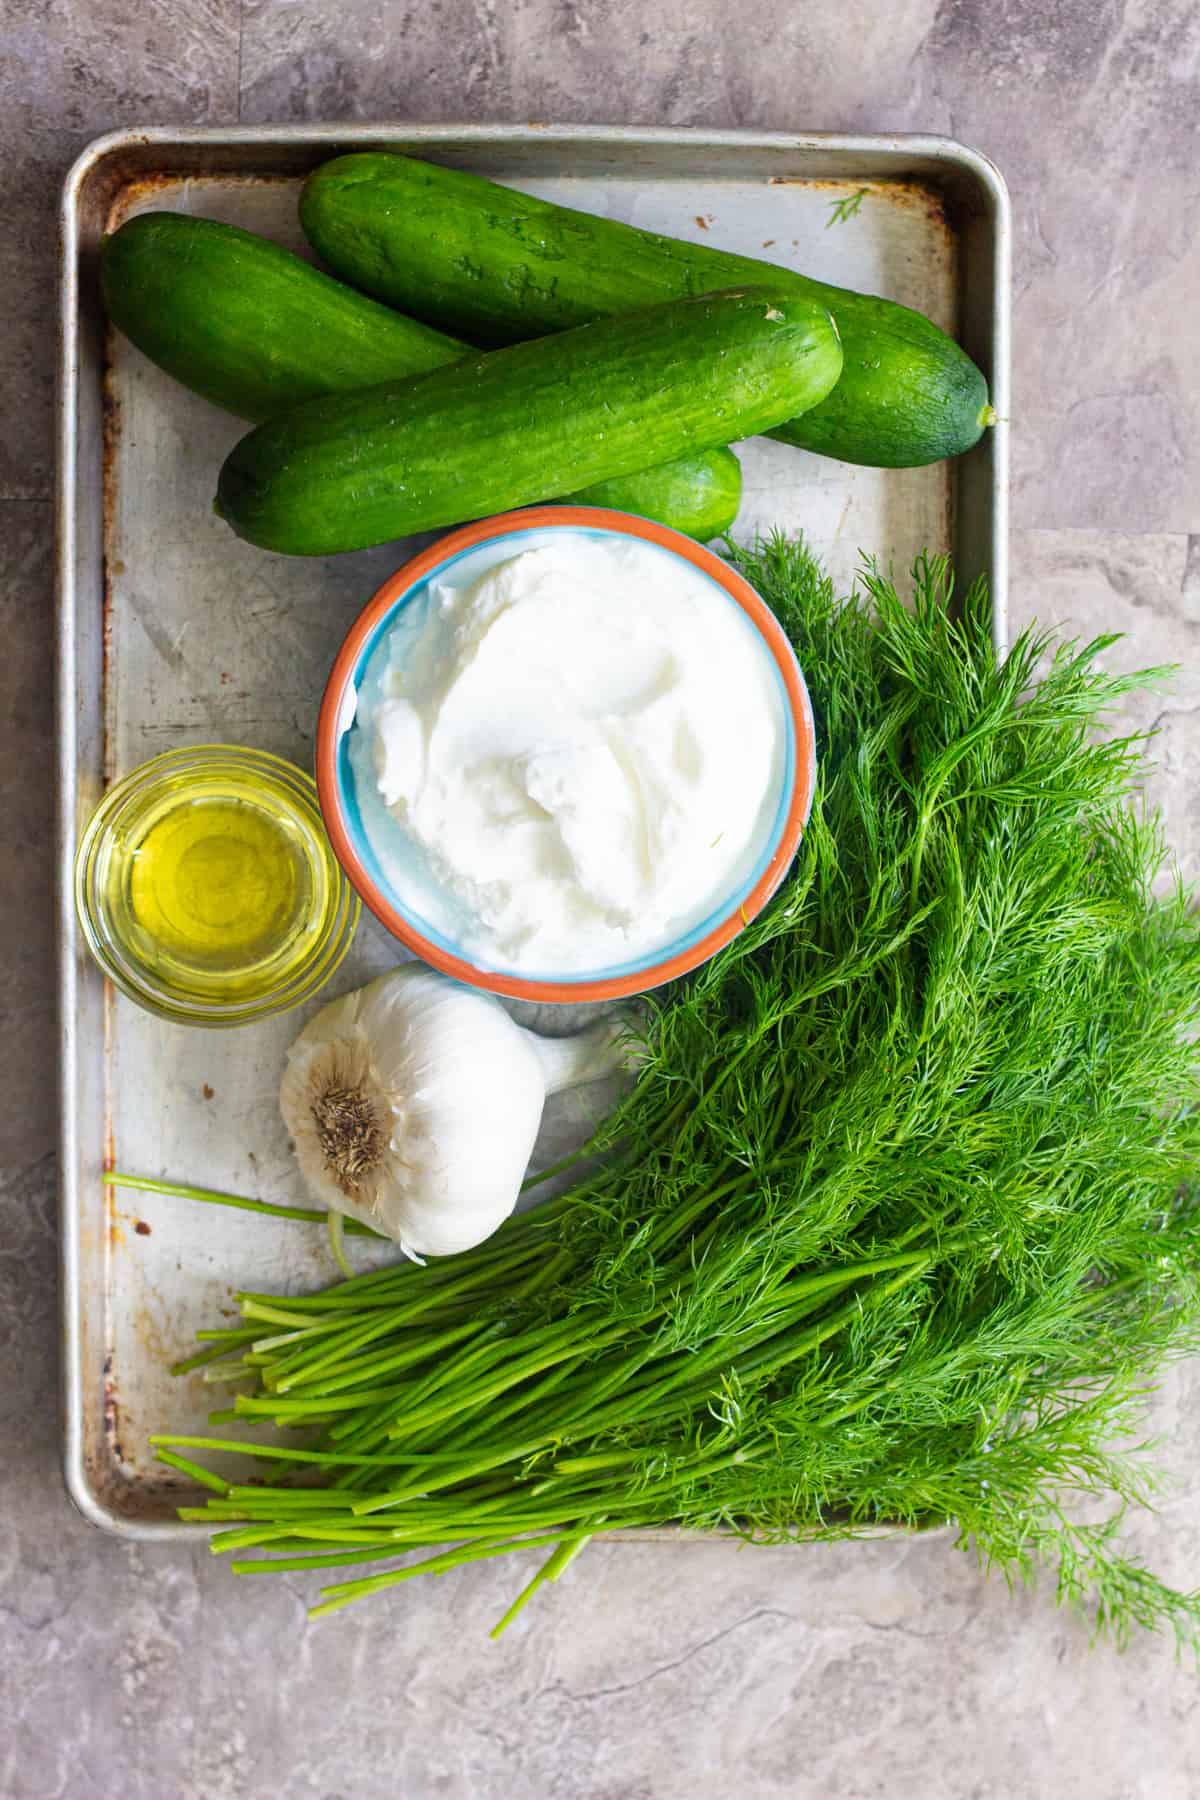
(897, 1225)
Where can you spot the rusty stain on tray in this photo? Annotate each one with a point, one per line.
(124, 1478)
(110, 1411)
(149, 1329)
(915, 197)
(134, 194)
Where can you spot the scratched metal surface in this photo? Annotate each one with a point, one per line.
(175, 633)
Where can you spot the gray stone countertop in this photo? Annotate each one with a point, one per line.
(653, 1672)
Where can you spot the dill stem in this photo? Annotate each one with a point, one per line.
(280, 1452)
(213, 1197)
(184, 1464)
(550, 1571)
(318, 1408)
(519, 1400)
(345, 1375)
(331, 1559)
(345, 1592)
(309, 1360)
(199, 1360)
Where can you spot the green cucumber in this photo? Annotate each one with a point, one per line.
(698, 495)
(704, 488)
(497, 265)
(259, 331)
(531, 422)
(246, 323)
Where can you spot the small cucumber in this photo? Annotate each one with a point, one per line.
(497, 265)
(705, 488)
(259, 331)
(531, 422)
(248, 325)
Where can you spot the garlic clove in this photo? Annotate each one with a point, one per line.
(414, 1104)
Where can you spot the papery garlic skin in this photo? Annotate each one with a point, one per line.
(414, 1104)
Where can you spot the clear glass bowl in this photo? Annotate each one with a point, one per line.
(207, 889)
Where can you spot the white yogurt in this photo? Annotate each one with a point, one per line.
(571, 758)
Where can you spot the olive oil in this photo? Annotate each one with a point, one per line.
(215, 882)
(208, 889)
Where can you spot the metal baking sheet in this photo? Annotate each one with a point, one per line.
(171, 632)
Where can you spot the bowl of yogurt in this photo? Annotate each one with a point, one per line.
(565, 754)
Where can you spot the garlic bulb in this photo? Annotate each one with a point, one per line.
(413, 1104)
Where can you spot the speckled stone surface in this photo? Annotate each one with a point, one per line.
(652, 1671)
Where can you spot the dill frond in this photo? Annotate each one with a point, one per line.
(899, 1224)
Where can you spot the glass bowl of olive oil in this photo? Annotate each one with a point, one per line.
(207, 889)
